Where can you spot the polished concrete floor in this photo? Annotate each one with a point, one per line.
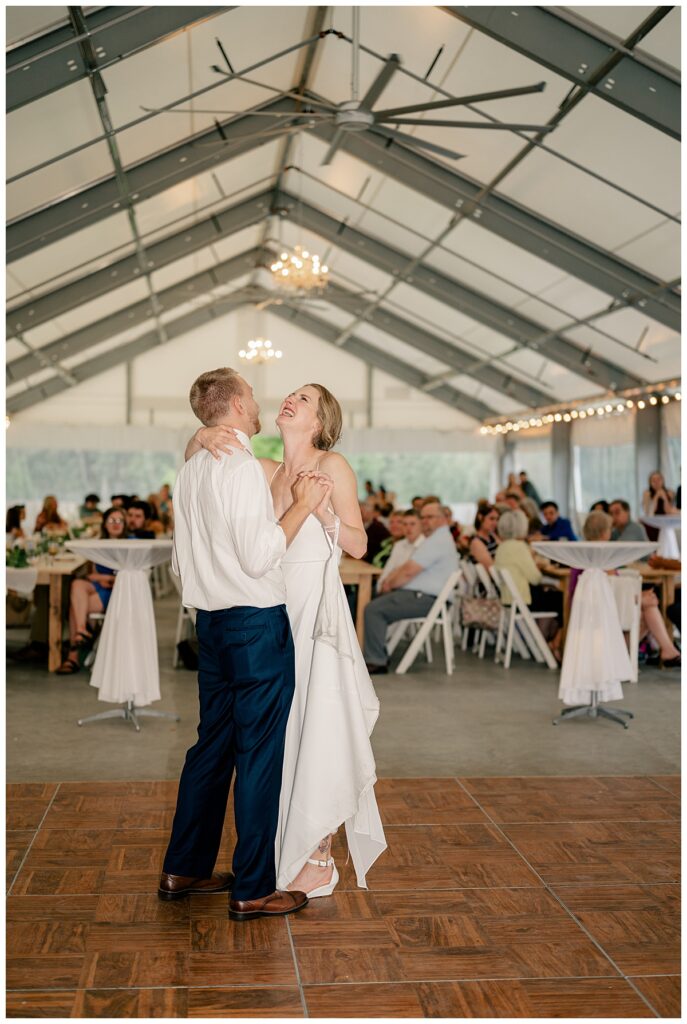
(482, 721)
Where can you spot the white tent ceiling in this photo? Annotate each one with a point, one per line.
(604, 178)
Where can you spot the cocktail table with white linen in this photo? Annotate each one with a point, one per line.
(596, 659)
(126, 666)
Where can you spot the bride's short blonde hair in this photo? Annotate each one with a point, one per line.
(330, 417)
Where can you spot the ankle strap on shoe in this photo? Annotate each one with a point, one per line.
(322, 863)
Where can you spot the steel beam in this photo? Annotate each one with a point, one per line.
(448, 290)
(319, 328)
(436, 347)
(124, 319)
(509, 220)
(505, 218)
(382, 361)
(563, 44)
(146, 179)
(53, 60)
(206, 232)
(121, 354)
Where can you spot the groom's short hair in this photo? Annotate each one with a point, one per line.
(212, 392)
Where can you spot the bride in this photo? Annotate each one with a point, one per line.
(329, 768)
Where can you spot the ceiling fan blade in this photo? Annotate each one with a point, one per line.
(331, 152)
(248, 113)
(413, 143)
(488, 125)
(391, 65)
(459, 101)
(271, 88)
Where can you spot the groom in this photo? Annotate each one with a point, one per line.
(227, 550)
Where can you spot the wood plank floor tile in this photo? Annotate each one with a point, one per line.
(441, 857)
(390, 1000)
(425, 802)
(141, 1002)
(671, 782)
(638, 925)
(43, 972)
(120, 938)
(600, 852)
(51, 908)
(17, 843)
(40, 1004)
(255, 968)
(586, 997)
(487, 933)
(220, 935)
(54, 881)
(526, 998)
(244, 1002)
(141, 909)
(607, 798)
(27, 803)
(662, 992)
(34, 938)
(135, 969)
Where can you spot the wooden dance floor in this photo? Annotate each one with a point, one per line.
(527, 897)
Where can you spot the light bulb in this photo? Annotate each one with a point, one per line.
(566, 417)
(665, 399)
(277, 354)
(557, 418)
(609, 408)
(306, 254)
(653, 400)
(630, 403)
(284, 256)
(590, 411)
(325, 269)
(620, 407)
(284, 272)
(483, 430)
(583, 414)
(574, 414)
(641, 405)
(678, 396)
(268, 344)
(242, 354)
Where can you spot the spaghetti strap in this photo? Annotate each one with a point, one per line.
(275, 472)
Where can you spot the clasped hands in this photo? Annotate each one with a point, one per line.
(314, 489)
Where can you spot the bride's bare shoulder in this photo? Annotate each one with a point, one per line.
(270, 467)
(335, 464)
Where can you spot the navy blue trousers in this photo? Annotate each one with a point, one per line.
(246, 681)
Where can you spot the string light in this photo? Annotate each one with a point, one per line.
(658, 394)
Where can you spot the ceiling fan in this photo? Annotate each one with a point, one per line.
(359, 115)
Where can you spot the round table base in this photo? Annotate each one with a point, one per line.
(594, 710)
(130, 714)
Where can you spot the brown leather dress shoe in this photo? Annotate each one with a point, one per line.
(175, 887)
(277, 904)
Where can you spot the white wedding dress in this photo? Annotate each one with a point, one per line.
(329, 768)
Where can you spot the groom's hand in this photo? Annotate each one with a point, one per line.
(310, 489)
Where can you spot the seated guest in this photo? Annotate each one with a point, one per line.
(555, 527)
(657, 500)
(89, 510)
(91, 594)
(513, 499)
(402, 550)
(49, 518)
(484, 541)
(120, 500)
(13, 520)
(376, 531)
(624, 527)
(598, 527)
(514, 554)
(164, 506)
(453, 526)
(417, 503)
(600, 506)
(412, 588)
(138, 521)
(154, 521)
(528, 488)
(396, 534)
(531, 510)
(674, 610)
(514, 485)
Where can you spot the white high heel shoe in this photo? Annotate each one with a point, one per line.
(328, 889)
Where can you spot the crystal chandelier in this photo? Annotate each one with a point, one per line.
(260, 350)
(300, 271)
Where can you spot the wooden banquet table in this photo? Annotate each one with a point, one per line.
(51, 572)
(355, 571)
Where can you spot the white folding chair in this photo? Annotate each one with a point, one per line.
(629, 612)
(518, 620)
(492, 593)
(441, 613)
(95, 617)
(186, 621)
(470, 589)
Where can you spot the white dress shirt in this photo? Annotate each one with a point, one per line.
(401, 552)
(228, 545)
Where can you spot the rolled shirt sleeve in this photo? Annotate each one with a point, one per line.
(259, 541)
